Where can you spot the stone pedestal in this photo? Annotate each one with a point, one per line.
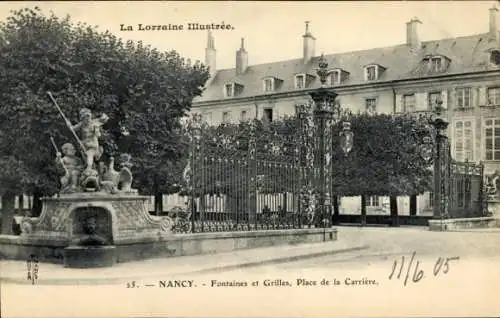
(119, 218)
(61, 232)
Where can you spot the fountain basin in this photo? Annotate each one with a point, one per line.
(78, 256)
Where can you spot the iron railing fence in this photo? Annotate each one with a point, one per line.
(240, 190)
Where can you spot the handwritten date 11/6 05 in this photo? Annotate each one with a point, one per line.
(442, 265)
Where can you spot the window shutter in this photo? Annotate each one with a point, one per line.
(482, 96)
(452, 99)
(474, 91)
(399, 104)
(444, 98)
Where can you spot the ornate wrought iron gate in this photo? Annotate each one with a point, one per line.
(243, 182)
(462, 186)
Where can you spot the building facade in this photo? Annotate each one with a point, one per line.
(462, 72)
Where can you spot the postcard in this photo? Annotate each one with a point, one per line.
(249, 159)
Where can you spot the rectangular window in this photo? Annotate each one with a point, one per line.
(436, 64)
(464, 97)
(494, 96)
(228, 90)
(243, 115)
(268, 114)
(335, 77)
(268, 85)
(372, 201)
(409, 103)
(300, 81)
(464, 140)
(495, 57)
(226, 117)
(207, 117)
(371, 105)
(371, 73)
(492, 139)
(432, 100)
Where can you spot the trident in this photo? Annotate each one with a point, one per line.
(68, 123)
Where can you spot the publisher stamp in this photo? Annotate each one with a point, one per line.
(32, 269)
(190, 26)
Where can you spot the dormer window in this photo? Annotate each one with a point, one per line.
(436, 64)
(271, 84)
(232, 89)
(373, 71)
(268, 84)
(300, 81)
(495, 57)
(229, 90)
(303, 80)
(337, 76)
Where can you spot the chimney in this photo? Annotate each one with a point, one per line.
(210, 53)
(309, 44)
(412, 39)
(241, 59)
(493, 34)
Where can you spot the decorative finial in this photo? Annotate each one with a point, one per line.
(322, 69)
(243, 43)
(307, 26)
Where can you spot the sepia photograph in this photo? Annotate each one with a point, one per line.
(249, 159)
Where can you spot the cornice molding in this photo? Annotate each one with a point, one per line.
(348, 88)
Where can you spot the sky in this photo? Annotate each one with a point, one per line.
(273, 30)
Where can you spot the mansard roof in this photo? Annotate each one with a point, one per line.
(467, 54)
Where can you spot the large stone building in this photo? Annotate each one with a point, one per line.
(463, 72)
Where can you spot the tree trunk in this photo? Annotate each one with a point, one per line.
(236, 208)
(285, 202)
(8, 209)
(413, 205)
(37, 203)
(336, 210)
(20, 202)
(158, 203)
(394, 211)
(363, 210)
(203, 208)
(252, 207)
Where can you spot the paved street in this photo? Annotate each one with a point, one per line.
(387, 244)
(359, 282)
(451, 274)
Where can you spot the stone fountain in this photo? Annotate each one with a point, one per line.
(97, 218)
